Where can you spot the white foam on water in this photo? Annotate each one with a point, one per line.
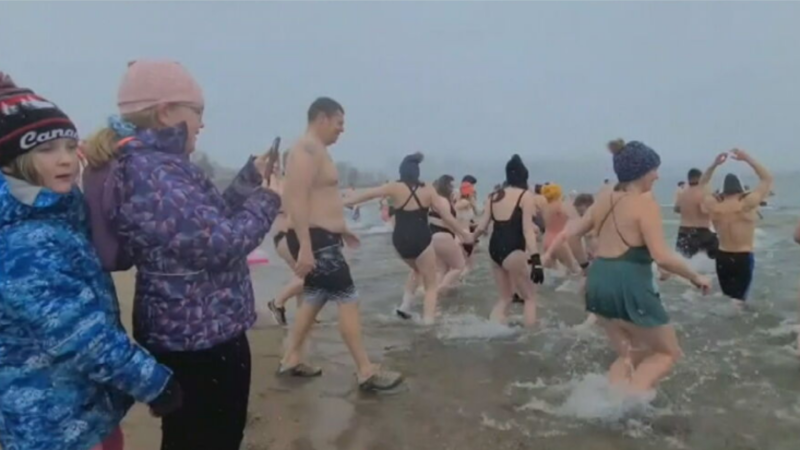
(786, 328)
(497, 425)
(593, 398)
(571, 286)
(703, 264)
(674, 442)
(551, 434)
(538, 384)
(537, 404)
(470, 326)
(636, 429)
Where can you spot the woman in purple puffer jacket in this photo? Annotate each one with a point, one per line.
(152, 208)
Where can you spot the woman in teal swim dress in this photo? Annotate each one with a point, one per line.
(620, 287)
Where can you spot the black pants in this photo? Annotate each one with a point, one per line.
(216, 387)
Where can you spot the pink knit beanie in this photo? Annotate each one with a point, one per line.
(148, 83)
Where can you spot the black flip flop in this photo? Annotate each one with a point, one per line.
(403, 315)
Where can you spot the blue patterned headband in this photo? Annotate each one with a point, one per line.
(634, 161)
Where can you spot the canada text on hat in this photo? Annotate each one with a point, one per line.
(28, 120)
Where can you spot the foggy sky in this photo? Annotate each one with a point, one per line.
(475, 81)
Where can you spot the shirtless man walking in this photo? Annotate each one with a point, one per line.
(734, 214)
(318, 231)
(694, 234)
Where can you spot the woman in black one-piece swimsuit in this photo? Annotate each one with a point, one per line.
(412, 234)
(512, 245)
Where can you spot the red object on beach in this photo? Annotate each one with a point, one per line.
(257, 257)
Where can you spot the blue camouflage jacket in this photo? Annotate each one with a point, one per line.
(68, 371)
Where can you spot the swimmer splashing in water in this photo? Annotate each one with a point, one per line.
(412, 236)
(517, 265)
(734, 214)
(620, 288)
(555, 219)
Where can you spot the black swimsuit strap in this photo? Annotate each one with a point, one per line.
(413, 195)
(491, 207)
(614, 218)
(519, 200)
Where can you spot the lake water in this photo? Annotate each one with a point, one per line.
(476, 385)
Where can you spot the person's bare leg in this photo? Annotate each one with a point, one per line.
(470, 261)
(564, 256)
(426, 265)
(304, 320)
(410, 289)
(350, 329)
(664, 353)
(516, 265)
(591, 319)
(451, 256)
(291, 289)
(504, 289)
(621, 370)
(295, 286)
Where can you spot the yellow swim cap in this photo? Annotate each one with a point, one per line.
(552, 192)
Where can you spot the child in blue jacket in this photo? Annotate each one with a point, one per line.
(68, 371)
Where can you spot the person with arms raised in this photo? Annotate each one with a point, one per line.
(734, 214)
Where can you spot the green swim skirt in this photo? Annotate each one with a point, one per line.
(623, 288)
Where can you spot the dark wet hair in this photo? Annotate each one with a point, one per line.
(409, 168)
(537, 189)
(516, 176)
(324, 105)
(444, 186)
(694, 176)
(583, 200)
(681, 183)
(732, 185)
(469, 179)
(517, 173)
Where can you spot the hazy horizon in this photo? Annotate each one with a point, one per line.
(468, 84)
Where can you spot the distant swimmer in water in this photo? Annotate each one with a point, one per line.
(620, 288)
(412, 236)
(517, 265)
(734, 214)
(555, 219)
(466, 213)
(449, 254)
(318, 234)
(694, 234)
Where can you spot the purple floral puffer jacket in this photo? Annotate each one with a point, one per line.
(188, 242)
